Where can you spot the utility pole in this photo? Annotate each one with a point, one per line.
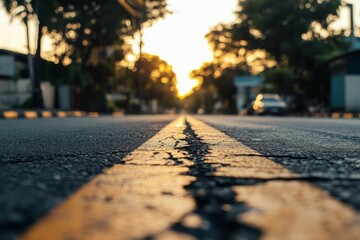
(352, 26)
(140, 63)
(137, 9)
(30, 57)
(37, 97)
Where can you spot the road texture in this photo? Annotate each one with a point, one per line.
(293, 179)
(325, 152)
(45, 160)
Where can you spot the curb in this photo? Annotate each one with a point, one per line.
(30, 114)
(334, 115)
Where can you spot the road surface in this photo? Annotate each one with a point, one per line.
(180, 177)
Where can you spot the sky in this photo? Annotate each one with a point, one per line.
(178, 39)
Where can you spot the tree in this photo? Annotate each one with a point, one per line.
(283, 29)
(159, 82)
(289, 40)
(216, 87)
(28, 11)
(296, 35)
(280, 80)
(88, 36)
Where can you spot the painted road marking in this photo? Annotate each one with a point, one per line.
(10, 114)
(141, 198)
(46, 114)
(348, 115)
(61, 114)
(93, 114)
(146, 196)
(30, 114)
(297, 210)
(280, 209)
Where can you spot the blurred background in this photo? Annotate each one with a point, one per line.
(198, 56)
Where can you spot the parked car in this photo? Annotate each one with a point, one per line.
(271, 104)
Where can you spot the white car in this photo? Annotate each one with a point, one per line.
(271, 104)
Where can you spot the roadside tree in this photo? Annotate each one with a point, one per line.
(286, 39)
(89, 37)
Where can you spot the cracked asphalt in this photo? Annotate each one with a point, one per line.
(123, 178)
(325, 152)
(45, 160)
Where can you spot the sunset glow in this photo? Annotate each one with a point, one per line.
(180, 38)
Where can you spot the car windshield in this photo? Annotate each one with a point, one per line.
(269, 99)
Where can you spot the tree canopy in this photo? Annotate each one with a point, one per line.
(282, 28)
(285, 41)
(88, 37)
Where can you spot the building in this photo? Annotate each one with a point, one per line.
(247, 88)
(345, 82)
(15, 83)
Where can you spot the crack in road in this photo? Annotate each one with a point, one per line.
(163, 142)
(215, 201)
(174, 159)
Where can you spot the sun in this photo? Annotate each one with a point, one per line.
(185, 87)
(182, 52)
(179, 39)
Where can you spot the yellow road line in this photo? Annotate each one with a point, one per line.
(297, 210)
(280, 209)
(141, 198)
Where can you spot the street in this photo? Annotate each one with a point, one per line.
(180, 177)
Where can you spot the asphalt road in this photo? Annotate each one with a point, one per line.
(43, 161)
(326, 152)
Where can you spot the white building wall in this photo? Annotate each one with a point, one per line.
(352, 93)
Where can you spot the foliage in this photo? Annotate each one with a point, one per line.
(158, 81)
(217, 86)
(285, 41)
(283, 29)
(87, 36)
(280, 80)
